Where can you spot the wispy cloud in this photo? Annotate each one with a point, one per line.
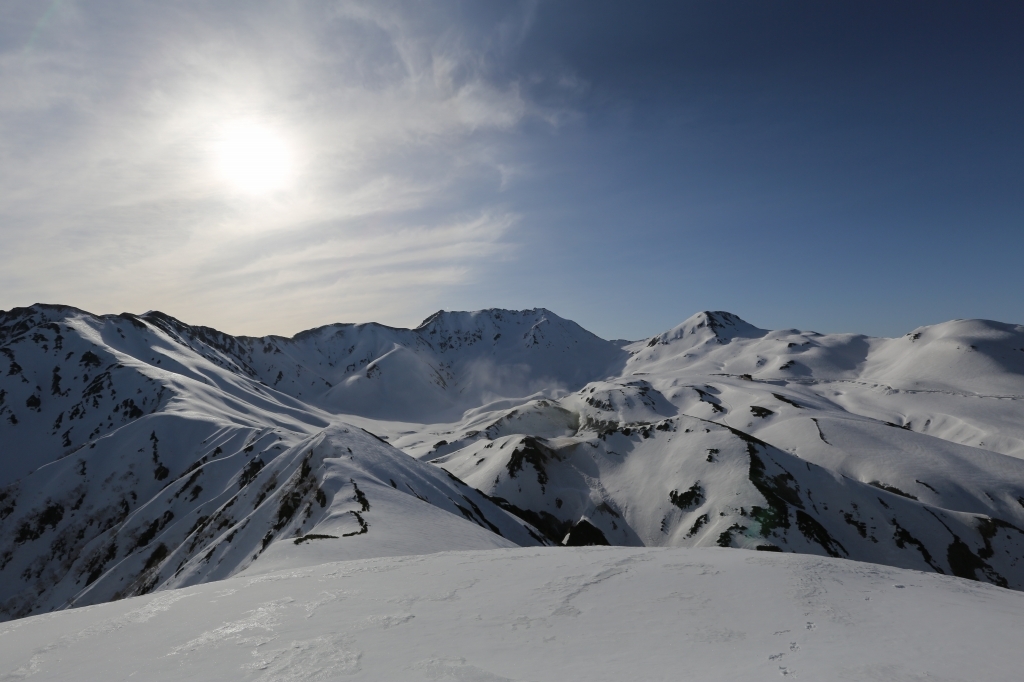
(109, 199)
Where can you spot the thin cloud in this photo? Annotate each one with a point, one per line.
(110, 198)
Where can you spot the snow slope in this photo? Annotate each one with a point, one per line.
(960, 381)
(541, 614)
(686, 481)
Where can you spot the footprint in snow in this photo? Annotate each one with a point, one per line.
(385, 622)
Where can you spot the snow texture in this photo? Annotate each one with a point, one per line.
(608, 613)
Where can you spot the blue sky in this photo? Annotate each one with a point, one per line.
(832, 166)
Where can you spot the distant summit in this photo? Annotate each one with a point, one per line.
(718, 324)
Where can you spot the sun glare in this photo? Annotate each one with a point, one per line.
(253, 158)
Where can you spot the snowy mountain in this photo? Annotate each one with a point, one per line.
(719, 433)
(154, 460)
(140, 453)
(450, 363)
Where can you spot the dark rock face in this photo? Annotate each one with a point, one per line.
(585, 534)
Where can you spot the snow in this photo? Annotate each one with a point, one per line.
(541, 614)
(220, 480)
(911, 473)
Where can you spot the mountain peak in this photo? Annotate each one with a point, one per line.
(716, 320)
(718, 324)
(492, 314)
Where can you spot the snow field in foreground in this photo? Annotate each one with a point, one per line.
(541, 614)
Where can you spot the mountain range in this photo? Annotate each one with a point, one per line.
(139, 453)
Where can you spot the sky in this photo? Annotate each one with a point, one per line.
(266, 166)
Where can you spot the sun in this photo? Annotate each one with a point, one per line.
(253, 158)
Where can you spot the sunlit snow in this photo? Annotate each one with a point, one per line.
(783, 502)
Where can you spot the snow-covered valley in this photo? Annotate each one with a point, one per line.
(142, 455)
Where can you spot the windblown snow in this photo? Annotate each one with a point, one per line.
(140, 454)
